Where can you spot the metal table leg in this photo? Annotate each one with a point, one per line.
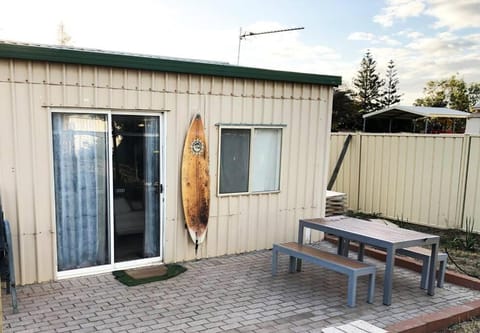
(432, 269)
(388, 283)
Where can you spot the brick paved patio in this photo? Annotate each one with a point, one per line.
(227, 294)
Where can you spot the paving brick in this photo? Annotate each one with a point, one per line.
(67, 329)
(228, 294)
(84, 330)
(231, 326)
(214, 330)
(177, 328)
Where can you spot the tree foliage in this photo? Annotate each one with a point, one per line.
(368, 85)
(453, 93)
(391, 95)
(346, 115)
(474, 93)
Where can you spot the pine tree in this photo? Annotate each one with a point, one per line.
(369, 85)
(390, 94)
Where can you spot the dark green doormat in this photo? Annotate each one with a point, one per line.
(135, 277)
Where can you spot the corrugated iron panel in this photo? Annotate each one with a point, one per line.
(472, 191)
(417, 178)
(237, 223)
(412, 178)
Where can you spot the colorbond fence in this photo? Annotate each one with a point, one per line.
(426, 179)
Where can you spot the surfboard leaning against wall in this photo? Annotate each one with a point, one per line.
(196, 181)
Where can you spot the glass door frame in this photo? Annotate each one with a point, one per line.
(112, 265)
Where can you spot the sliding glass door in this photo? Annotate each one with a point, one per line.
(107, 189)
(136, 184)
(81, 172)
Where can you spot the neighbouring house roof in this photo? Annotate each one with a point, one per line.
(66, 54)
(413, 112)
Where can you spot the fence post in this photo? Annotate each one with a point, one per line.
(359, 167)
(462, 191)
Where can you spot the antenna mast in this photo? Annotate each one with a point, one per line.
(244, 35)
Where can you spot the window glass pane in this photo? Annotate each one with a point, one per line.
(266, 160)
(80, 174)
(136, 180)
(234, 160)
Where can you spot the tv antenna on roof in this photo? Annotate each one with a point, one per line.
(245, 34)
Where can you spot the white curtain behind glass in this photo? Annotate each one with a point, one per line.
(80, 173)
(152, 182)
(266, 159)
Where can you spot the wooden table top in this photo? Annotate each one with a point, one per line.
(374, 230)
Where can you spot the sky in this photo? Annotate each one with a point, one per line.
(426, 39)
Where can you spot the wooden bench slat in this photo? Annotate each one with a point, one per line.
(325, 255)
(416, 249)
(353, 269)
(420, 253)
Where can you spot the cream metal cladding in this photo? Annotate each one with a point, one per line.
(426, 179)
(472, 186)
(28, 88)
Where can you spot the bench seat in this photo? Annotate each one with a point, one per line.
(423, 254)
(352, 268)
(416, 252)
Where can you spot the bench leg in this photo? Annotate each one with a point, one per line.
(371, 288)
(441, 277)
(352, 290)
(441, 274)
(274, 260)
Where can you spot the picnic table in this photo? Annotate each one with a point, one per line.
(378, 235)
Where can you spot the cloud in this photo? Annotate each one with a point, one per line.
(366, 36)
(431, 58)
(426, 56)
(399, 9)
(443, 44)
(389, 41)
(410, 34)
(455, 15)
(361, 36)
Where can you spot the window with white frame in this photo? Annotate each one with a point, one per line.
(249, 159)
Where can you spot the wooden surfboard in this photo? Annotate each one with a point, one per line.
(196, 181)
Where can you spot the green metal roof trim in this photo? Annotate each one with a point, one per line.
(125, 60)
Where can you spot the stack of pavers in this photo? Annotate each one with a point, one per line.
(336, 203)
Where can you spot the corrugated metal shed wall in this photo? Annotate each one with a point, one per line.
(237, 223)
(426, 179)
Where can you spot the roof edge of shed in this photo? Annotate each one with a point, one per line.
(71, 55)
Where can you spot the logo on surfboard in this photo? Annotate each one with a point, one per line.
(197, 146)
